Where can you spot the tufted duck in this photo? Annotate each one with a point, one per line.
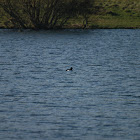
(69, 69)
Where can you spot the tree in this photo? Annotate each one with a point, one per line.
(13, 12)
(45, 14)
(86, 10)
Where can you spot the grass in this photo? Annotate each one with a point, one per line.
(116, 14)
(114, 22)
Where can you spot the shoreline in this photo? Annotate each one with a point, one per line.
(69, 28)
(109, 14)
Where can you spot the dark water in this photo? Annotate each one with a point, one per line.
(98, 100)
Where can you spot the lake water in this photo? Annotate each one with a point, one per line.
(98, 100)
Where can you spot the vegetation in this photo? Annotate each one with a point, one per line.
(116, 14)
(45, 14)
(51, 14)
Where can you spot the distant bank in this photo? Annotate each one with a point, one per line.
(109, 14)
(99, 22)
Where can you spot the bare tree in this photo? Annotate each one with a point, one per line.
(8, 7)
(45, 14)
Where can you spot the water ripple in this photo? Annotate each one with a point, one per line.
(99, 99)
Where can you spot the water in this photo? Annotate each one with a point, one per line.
(98, 100)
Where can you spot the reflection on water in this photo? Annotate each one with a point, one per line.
(99, 99)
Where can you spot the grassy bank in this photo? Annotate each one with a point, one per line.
(116, 14)
(108, 14)
(114, 22)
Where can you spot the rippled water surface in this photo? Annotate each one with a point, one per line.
(98, 100)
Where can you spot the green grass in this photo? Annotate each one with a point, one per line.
(116, 14)
(105, 22)
(113, 14)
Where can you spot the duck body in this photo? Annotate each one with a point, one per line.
(69, 69)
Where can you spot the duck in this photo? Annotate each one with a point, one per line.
(69, 69)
